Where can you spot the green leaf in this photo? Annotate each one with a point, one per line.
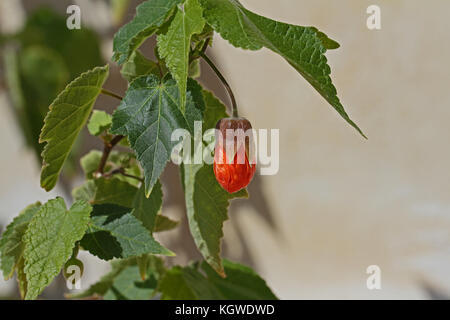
(90, 161)
(11, 244)
(49, 240)
(146, 209)
(187, 284)
(150, 15)
(214, 111)
(22, 278)
(207, 206)
(148, 115)
(241, 283)
(194, 69)
(164, 223)
(99, 122)
(137, 66)
(175, 45)
(114, 191)
(115, 233)
(129, 285)
(67, 116)
(303, 47)
(113, 286)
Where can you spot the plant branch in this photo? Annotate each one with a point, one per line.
(122, 172)
(222, 78)
(108, 146)
(111, 94)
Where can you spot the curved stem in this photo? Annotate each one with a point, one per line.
(111, 94)
(224, 82)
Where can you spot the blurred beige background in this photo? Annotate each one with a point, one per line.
(341, 203)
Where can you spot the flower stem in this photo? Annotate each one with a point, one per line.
(224, 82)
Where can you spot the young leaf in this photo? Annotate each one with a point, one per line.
(241, 283)
(195, 69)
(11, 244)
(137, 66)
(100, 122)
(175, 45)
(303, 47)
(148, 115)
(164, 223)
(67, 115)
(49, 240)
(115, 233)
(150, 15)
(89, 162)
(207, 206)
(146, 209)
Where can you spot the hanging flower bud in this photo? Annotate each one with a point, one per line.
(234, 160)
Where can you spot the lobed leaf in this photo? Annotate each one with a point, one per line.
(49, 240)
(68, 114)
(148, 115)
(302, 47)
(150, 15)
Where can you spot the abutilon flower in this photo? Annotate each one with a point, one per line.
(234, 164)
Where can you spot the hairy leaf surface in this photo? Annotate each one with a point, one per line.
(68, 114)
(49, 240)
(148, 115)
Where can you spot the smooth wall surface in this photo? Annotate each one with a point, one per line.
(341, 203)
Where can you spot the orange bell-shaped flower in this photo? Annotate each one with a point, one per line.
(234, 166)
